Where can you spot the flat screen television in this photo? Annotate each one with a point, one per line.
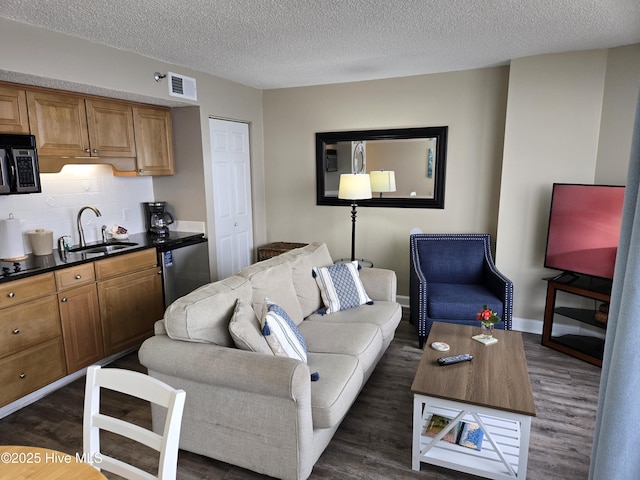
(584, 228)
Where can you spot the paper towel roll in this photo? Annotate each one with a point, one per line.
(11, 245)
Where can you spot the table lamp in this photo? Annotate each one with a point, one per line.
(354, 186)
(383, 181)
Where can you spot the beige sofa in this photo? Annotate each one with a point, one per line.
(245, 405)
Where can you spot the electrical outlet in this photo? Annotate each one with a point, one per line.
(125, 215)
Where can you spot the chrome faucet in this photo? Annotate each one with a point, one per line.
(82, 243)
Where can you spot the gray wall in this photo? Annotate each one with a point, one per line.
(513, 131)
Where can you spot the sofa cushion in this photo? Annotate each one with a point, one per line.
(244, 328)
(302, 261)
(360, 340)
(460, 301)
(340, 286)
(340, 381)
(203, 315)
(281, 334)
(385, 315)
(272, 279)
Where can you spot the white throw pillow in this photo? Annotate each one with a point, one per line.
(340, 287)
(281, 333)
(244, 328)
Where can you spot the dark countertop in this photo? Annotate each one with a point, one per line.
(37, 264)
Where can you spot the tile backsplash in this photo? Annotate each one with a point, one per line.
(119, 199)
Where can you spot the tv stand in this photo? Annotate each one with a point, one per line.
(584, 347)
(566, 277)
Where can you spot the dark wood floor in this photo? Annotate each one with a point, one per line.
(374, 440)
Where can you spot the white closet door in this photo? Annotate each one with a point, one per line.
(232, 195)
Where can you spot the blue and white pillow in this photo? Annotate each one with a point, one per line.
(340, 287)
(282, 335)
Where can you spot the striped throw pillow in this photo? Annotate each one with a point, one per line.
(340, 287)
(281, 333)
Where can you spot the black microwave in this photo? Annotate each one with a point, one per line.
(19, 172)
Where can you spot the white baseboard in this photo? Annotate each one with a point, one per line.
(532, 325)
(403, 300)
(528, 325)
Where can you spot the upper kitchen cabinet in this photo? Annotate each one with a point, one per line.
(13, 110)
(71, 126)
(134, 138)
(153, 139)
(110, 129)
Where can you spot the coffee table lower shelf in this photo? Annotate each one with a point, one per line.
(505, 445)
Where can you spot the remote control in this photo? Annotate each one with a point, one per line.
(464, 357)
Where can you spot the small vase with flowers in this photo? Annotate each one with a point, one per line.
(487, 318)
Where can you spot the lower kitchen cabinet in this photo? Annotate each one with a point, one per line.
(79, 316)
(130, 298)
(28, 324)
(81, 328)
(31, 348)
(31, 369)
(57, 323)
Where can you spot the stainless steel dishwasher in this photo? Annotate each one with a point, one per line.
(185, 265)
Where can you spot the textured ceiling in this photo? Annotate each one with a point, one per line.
(283, 43)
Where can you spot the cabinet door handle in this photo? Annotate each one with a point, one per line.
(78, 277)
(87, 150)
(140, 170)
(64, 299)
(11, 294)
(95, 150)
(23, 375)
(16, 331)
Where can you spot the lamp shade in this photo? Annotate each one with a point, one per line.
(383, 181)
(354, 186)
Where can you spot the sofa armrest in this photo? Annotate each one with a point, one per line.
(219, 366)
(159, 328)
(243, 408)
(379, 283)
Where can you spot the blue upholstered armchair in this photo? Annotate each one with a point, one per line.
(452, 277)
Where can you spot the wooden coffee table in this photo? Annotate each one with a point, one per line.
(492, 391)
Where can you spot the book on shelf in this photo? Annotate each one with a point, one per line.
(436, 424)
(471, 436)
(465, 434)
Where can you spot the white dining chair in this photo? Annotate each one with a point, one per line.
(144, 387)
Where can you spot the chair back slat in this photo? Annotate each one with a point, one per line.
(144, 387)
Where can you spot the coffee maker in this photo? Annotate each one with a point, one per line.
(157, 219)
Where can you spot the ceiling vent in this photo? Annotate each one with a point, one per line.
(182, 86)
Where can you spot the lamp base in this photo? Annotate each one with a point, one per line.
(362, 262)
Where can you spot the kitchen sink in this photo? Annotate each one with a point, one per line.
(109, 247)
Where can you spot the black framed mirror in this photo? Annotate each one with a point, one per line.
(411, 160)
